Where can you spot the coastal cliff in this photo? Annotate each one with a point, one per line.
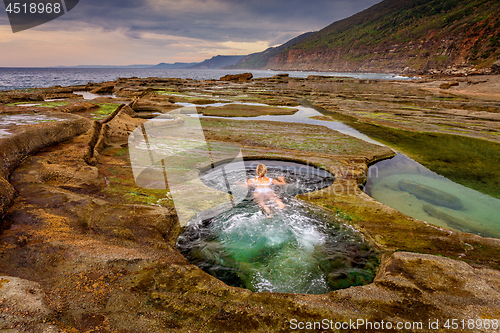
(393, 36)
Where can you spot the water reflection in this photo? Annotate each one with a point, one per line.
(303, 116)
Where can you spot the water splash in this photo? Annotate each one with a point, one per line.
(300, 249)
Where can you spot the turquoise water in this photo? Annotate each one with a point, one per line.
(303, 249)
(433, 198)
(300, 249)
(480, 213)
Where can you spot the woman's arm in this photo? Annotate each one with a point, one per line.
(281, 181)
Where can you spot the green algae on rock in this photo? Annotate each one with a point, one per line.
(468, 161)
(241, 110)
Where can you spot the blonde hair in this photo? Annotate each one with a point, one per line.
(261, 170)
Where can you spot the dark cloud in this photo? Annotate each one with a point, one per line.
(214, 20)
(122, 32)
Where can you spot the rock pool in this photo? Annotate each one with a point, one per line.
(478, 214)
(432, 198)
(9, 122)
(300, 249)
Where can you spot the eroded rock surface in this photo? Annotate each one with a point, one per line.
(23, 307)
(237, 77)
(414, 286)
(89, 250)
(16, 147)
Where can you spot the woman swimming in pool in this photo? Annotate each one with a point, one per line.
(263, 191)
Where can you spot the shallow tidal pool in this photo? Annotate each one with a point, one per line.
(416, 191)
(10, 121)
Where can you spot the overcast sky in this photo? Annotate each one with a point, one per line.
(124, 32)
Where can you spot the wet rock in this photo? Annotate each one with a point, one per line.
(236, 110)
(316, 77)
(62, 96)
(18, 146)
(113, 114)
(129, 93)
(278, 78)
(58, 90)
(147, 115)
(237, 77)
(108, 266)
(430, 194)
(72, 176)
(436, 284)
(409, 287)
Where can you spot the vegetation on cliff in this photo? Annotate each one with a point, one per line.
(260, 59)
(395, 35)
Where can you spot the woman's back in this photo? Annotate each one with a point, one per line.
(262, 184)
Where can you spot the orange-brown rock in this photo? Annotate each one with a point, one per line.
(116, 128)
(448, 85)
(107, 89)
(79, 107)
(15, 148)
(237, 77)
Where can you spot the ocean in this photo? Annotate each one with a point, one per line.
(25, 78)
